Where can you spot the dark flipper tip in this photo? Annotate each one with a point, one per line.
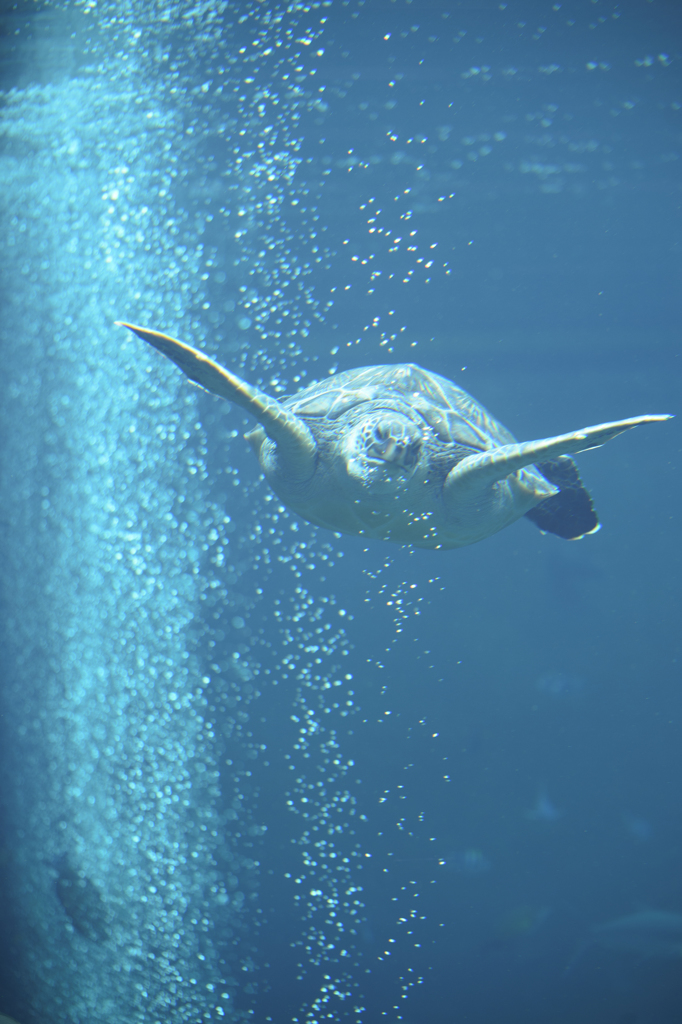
(570, 513)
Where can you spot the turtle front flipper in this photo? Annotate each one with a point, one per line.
(478, 471)
(296, 448)
(498, 486)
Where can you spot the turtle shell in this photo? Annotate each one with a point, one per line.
(453, 415)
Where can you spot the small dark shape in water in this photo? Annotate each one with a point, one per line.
(83, 902)
(515, 929)
(572, 576)
(649, 933)
(466, 862)
(639, 828)
(652, 933)
(560, 684)
(520, 922)
(543, 809)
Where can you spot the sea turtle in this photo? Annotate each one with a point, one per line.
(401, 454)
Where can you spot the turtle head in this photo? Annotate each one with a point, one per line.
(382, 447)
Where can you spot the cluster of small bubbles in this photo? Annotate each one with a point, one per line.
(115, 484)
(169, 828)
(313, 630)
(403, 601)
(259, 223)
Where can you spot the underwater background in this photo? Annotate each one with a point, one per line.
(251, 769)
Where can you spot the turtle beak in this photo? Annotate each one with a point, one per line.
(393, 453)
(387, 452)
(393, 443)
(381, 451)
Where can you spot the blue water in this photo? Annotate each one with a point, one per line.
(253, 770)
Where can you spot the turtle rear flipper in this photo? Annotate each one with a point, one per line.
(570, 513)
